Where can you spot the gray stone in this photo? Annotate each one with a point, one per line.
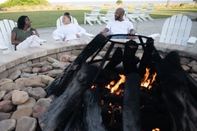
(37, 93)
(7, 125)
(192, 63)
(73, 58)
(22, 112)
(2, 93)
(41, 106)
(34, 81)
(27, 75)
(60, 64)
(8, 87)
(186, 68)
(19, 97)
(15, 74)
(26, 123)
(46, 79)
(65, 58)
(54, 73)
(46, 68)
(5, 80)
(27, 69)
(36, 69)
(184, 61)
(29, 103)
(4, 116)
(6, 106)
(52, 60)
(8, 96)
(194, 68)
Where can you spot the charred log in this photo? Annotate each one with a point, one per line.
(176, 94)
(129, 59)
(131, 103)
(63, 106)
(60, 83)
(92, 110)
(146, 60)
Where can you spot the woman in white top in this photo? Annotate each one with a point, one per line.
(69, 31)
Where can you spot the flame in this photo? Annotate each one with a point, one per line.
(147, 81)
(114, 88)
(156, 129)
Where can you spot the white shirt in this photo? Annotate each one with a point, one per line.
(119, 27)
(69, 31)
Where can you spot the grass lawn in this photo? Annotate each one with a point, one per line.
(48, 18)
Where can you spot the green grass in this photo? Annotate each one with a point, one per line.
(48, 18)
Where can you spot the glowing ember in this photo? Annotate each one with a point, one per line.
(148, 79)
(156, 129)
(114, 88)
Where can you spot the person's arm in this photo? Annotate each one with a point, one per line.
(132, 31)
(35, 32)
(104, 32)
(13, 39)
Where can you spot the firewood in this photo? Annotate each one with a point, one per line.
(61, 108)
(92, 110)
(131, 103)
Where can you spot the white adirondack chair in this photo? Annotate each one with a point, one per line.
(93, 16)
(146, 14)
(133, 16)
(6, 27)
(108, 16)
(74, 21)
(176, 30)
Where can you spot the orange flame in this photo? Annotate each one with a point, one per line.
(156, 129)
(114, 88)
(147, 81)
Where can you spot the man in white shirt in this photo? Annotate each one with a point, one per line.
(119, 26)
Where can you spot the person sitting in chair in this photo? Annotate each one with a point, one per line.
(68, 31)
(119, 26)
(23, 36)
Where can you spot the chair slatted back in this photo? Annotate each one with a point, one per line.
(176, 30)
(59, 21)
(110, 14)
(148, 10)
(137, 10)
(94, 13)
(6, 27)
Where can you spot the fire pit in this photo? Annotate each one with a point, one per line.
(122, 91)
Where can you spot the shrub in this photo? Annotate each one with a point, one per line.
(119, 2)
(12, 3)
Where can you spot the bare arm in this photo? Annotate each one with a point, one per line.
(132, 32)
(13, 39)
(104, 32)
(35, 32)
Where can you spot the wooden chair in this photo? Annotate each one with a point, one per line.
(133, 16)
(108, 16)
(74, 21)
(146, 14)
(93, 16)
(6, 27)
(176, 30)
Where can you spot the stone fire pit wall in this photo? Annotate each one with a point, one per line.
(20, 59)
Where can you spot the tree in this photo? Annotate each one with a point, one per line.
(168, 3)
(119, 2)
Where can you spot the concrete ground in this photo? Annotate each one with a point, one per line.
(143, 28)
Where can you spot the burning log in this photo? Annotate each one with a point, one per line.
(62, 107)
(92, 110)
(58, 86)
(131, 103)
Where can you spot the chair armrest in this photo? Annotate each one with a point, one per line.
(89, 35)
(192, 40)
(3, 47)
(56, 38)
(154, 36)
